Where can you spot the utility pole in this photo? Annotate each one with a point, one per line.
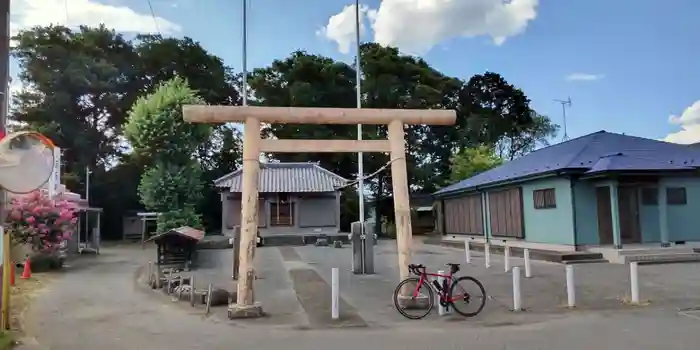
(564, 104)
(4, 106)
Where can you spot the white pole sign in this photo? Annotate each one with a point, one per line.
(55, 179)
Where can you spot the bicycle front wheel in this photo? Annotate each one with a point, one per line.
(412, 299)
(468, 296)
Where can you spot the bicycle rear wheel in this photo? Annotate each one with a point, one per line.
(468, 296)
(407, 301)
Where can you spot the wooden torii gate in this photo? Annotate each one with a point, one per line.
(253, 145)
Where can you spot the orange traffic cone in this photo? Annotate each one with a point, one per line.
(12, 274)
(27, 273)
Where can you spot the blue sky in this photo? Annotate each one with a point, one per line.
(637, 57)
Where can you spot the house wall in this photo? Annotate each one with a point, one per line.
(313, 214)
(683, 220)
(552, 225)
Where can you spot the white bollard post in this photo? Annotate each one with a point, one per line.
(634, 281)
(516, 289)
(526, 256)
(467, 252)
(442, 310)
(487, 255)
(570, 289)
(506, 258)
(335, 294)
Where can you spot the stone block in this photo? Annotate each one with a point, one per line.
(236, 311)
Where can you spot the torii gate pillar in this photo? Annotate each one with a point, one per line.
(245, 306)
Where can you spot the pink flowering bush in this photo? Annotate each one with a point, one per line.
(41, 222)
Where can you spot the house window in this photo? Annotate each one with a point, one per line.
(544, 198)
(676, 196)
(650, 196)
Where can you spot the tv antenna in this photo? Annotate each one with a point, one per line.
(564, 104)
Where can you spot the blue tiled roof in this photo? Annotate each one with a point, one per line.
(622, 162)
(584, 154)
(286, 177)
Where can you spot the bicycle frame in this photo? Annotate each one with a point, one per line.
(425, 278)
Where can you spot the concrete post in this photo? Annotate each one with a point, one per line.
(442, 310)
(368, 249)
(356, 243)
(516, 289)
(526, 256)
(335, 294)
(634, 282)
(467, 252)
(570, 288)
(402, 211)
(487, 255)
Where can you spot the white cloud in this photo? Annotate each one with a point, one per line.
(341, 27)
(416, 26)
(584, 77)
(689, 121)
(72, 13)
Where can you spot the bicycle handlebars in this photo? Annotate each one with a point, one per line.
(416, 269)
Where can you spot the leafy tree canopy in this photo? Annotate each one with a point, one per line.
(473, 161)
(156, 129)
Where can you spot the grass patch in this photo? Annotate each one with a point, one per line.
(21, 296)
(7, 341)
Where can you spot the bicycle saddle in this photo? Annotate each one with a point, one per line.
(453, 267)
(414, 266)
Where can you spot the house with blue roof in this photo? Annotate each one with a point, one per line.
(599, 190)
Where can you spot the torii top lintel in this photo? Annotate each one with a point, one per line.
(316, 115)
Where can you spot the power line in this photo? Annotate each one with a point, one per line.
(153, 15)
(564, 104)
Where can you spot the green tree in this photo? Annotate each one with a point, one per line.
(172, 183)
(392, 80)
(472, 161)
(78, 85)
(528, 138)
(305, 80)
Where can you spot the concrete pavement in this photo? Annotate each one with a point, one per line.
(99, 307)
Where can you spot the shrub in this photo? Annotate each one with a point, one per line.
(40, 222)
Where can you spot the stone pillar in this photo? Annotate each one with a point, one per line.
(663, 216)
(402, 210)
(615, 215)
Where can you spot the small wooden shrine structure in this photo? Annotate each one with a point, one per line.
(176, 248)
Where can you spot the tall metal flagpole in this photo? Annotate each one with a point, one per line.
(244, 88)
(360, 167)
(4, 105)
(244, 91)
